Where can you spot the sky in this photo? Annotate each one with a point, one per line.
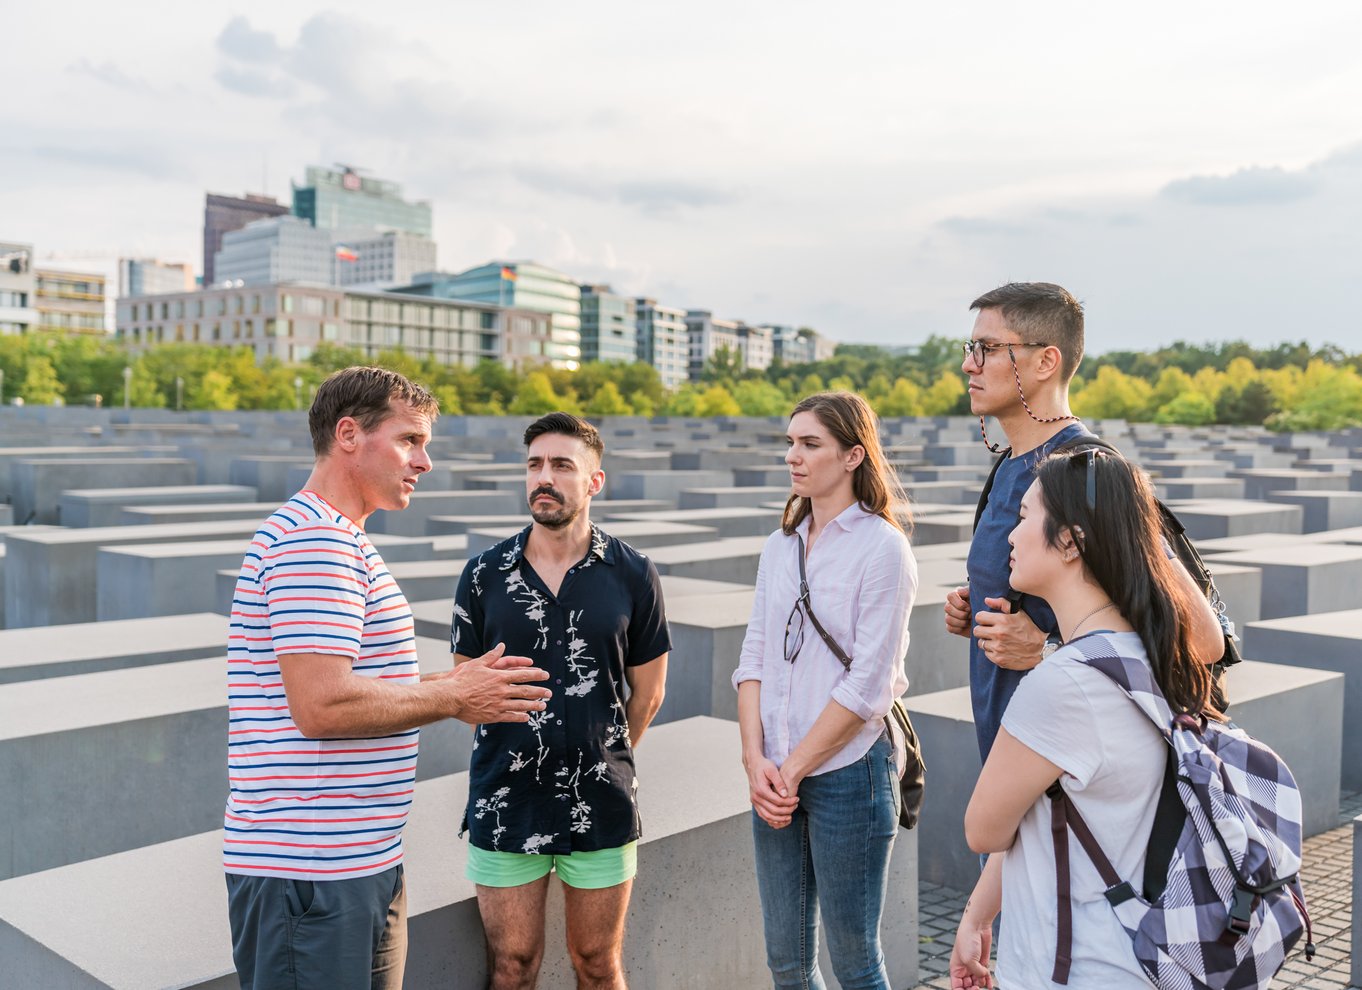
(1189, 170)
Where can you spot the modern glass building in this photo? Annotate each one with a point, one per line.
(148, 277)
(345, 200)
(393, 257)
(280, 249)
(609, 332)
(519, 285)
(224, 213)
(662, 340)
(707, 336)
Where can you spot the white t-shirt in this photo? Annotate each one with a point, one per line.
(1113, 758)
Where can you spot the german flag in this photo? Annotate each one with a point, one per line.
(508, 274)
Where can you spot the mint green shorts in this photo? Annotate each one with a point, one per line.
(584, 870)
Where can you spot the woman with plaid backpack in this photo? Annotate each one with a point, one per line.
(1110, 731)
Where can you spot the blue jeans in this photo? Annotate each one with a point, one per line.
(833, 857)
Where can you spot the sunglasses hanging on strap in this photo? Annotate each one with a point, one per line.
(912, 771)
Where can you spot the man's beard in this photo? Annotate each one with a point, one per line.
(558, 516)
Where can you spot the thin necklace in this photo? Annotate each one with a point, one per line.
(1100, 608)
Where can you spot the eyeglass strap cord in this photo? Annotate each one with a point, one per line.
(837, 650)
(994, 447)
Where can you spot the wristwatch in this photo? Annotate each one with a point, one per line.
(1052, 643)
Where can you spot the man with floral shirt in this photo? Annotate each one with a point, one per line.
(558, 793)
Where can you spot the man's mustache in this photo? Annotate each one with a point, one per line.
(548, 490)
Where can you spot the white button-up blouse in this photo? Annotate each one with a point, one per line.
(862, 580)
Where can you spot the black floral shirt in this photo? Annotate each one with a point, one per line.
(564, 781)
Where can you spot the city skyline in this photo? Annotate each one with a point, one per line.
(1190, 176)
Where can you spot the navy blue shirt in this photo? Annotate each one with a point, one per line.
(564, 781)
(991, 686)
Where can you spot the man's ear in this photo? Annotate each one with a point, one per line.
(597, 484)
(347, 433)
(1050, 364)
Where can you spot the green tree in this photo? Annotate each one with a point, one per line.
(944, 395)
(1189, 409)
(685, 401)
(40, 385)
(607, 401)
(842, 383)
(756, 397)
(904, 399)
(1112, 394)
(451, 403)
(717, 401)
(642, 403)
(212, 391)
(535, 396)
(811, 384)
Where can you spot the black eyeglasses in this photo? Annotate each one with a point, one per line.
(796, 615)
(978, 349)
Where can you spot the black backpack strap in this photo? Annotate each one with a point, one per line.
(1169, 818)
(988, 486)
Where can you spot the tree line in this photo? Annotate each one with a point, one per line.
(1285, 387)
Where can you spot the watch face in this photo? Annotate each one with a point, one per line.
(1049, 647)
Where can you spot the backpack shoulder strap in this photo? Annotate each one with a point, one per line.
(988, 486)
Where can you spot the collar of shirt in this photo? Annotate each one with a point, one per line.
(600, 549)
(845, 520)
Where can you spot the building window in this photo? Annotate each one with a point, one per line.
(287, 304)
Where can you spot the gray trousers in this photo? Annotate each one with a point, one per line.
(319, 934)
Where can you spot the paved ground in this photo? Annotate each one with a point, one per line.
(1327, 875)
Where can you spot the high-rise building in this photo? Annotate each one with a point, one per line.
(802, 346)
(755, 346)
(224, 213)
(149, 277)
(345, 200)
(662, 340)
(17, 288)
(280, 249)
(707, 336)
(393, 257)
(519, 285)
(289, 322)
(69, 302)
(609, 332)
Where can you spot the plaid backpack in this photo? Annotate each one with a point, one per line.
(1232, 906)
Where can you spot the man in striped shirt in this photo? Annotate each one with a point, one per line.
(325, 702)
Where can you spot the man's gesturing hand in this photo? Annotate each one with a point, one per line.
(1011, 640)
(497, 688)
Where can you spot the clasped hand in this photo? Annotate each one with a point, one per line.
(774, 796)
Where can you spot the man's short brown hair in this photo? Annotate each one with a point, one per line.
(365, 395)
(1043, 312)
(569, 426)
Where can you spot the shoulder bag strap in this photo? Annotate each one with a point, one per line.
(832, 644)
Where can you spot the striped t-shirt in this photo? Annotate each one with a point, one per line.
(322, 809)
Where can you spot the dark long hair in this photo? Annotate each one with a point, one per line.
(1108, 505)
(852, 423)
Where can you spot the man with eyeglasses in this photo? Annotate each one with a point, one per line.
(1025, 348)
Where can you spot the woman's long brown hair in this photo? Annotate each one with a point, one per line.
(1117, 530)
(852, 423)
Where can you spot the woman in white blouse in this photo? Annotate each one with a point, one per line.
(820, 766)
